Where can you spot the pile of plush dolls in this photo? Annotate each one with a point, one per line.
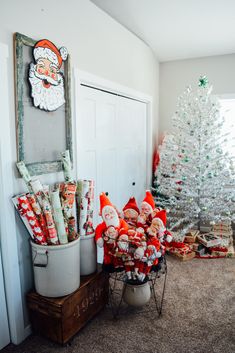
(134, 242)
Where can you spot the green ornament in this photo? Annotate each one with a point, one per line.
(186, 159)
(203, 81)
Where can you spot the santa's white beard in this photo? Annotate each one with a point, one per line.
(46, 98)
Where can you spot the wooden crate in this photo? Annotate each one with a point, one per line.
(184, 257)
(191, 236)
(59, 319)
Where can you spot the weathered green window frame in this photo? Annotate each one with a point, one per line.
(38, 167)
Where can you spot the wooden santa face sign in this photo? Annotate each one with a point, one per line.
(45, 77)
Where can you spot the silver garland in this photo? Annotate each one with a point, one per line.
(195, 174)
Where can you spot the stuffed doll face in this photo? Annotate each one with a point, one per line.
(158, 224)
(110, 216)
(130, 216)
(111, 235)
(146, 209)
(139, 253)
(123, 243)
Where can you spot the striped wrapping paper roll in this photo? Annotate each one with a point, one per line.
(83, 216)
(38, 212)
(46, 206)
(58, 216)
(26, 211)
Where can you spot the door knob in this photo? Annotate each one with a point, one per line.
(106, 193)
(133, 183)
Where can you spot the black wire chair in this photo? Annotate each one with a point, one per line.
(118, 284)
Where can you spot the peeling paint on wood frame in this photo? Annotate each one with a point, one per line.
(38, 167)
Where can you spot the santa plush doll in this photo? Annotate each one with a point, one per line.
(107, 232)
(131, 213)
(123, 252)
(147, 207)
(158, 228)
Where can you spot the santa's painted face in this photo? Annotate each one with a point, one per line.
(110, 216)
(158, 224)
(139, 253)
(123, 242)
(111, 235)
(130, 216)
(47, 85)
(146, 208)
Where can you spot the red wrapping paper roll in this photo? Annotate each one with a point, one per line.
(27, 212)
(39, 214)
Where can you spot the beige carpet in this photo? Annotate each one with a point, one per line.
(198, 316)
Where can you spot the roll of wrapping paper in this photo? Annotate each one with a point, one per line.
(67, 167)
(37, 188)
(90, 209)
(85, 188)
(71, 229)
(58, 216)
(83, 216)
(38, 212)
(46, 206)
(24, 173)
(68, 199)
(85, 194)
(78, 200)
(26, 211)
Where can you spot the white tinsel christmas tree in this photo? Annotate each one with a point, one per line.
(195, 174)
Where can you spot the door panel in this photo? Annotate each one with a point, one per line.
(112, 145)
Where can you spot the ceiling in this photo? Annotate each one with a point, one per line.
(178, 29)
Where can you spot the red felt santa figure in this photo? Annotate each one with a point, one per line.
(123, 251)
(131, 213)
(147, 207)
(158, 228)
(107, 232)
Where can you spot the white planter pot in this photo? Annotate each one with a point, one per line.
(88, 258)
(137, 295)
(56, 268)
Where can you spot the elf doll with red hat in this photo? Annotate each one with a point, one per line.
(131, 213)
(107, 232)
(147, 207)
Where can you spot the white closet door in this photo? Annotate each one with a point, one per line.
(4, 327)
(131, 150)
(111, 143)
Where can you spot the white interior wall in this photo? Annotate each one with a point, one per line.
(97, 44)
(175, 76)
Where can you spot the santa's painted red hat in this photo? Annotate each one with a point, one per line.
(162, 215)
(47, 50)
(131, 205)
(149, 199)
(104, 201)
